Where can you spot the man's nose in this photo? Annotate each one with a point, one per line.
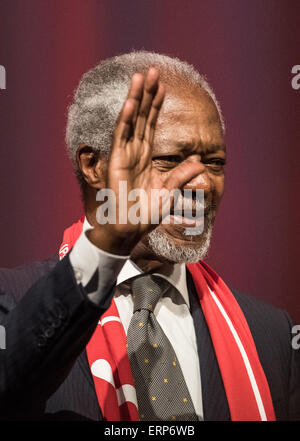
(202, 180)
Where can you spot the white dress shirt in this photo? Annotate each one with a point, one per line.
(172, 310)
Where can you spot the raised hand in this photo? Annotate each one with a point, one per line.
(131, 161)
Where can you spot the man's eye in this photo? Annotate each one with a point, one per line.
(167, 161)
(215, 164)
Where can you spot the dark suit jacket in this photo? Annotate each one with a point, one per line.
(44, 372)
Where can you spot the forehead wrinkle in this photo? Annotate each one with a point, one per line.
(200, 147)
(209, 149)
(191, 146)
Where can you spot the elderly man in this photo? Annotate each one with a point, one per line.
(131, 324)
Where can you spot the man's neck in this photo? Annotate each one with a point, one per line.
(145, 259)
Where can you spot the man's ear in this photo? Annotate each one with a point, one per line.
(92, 166)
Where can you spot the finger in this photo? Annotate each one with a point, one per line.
(149, 93)
(128, 114)
(136, 93)
(153, 114)
(123, 130)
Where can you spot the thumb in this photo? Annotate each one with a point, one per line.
(182, 174)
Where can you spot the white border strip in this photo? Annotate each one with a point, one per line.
(110, 318)
(245, 359)
(127, 393)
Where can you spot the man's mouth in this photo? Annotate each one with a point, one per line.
(190, 217)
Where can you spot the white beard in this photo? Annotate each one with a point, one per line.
(164, 246)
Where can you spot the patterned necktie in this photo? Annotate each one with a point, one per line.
(161, 390)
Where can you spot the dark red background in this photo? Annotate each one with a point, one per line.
(246, 49)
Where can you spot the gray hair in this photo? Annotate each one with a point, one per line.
(102, 91)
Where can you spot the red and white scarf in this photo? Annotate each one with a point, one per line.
(245, 383)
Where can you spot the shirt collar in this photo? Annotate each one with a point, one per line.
(177, 278)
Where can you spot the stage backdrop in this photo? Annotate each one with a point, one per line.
(246, 49)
